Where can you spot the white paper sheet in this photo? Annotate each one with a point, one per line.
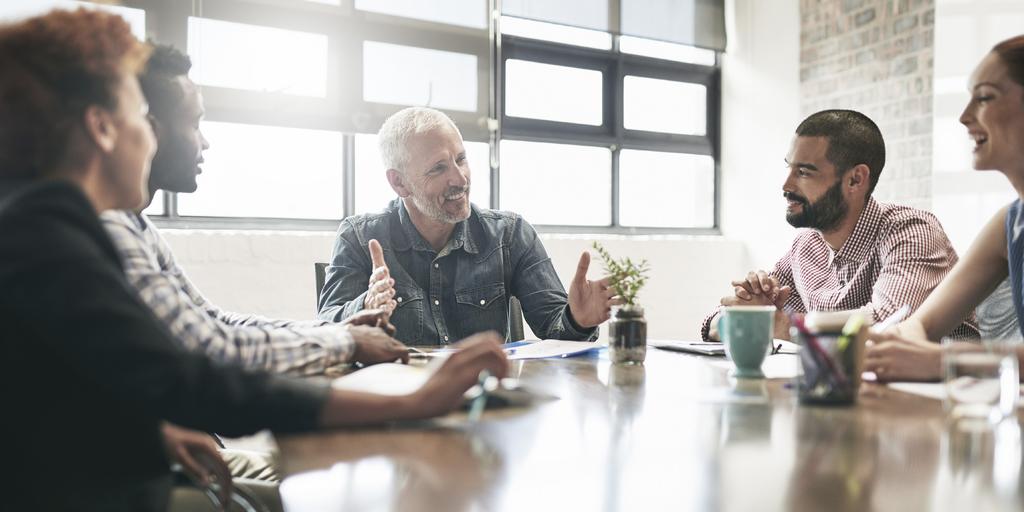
(385, 379)
(552, 348)
(779, 366)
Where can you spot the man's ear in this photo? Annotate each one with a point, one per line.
(100, 128)
(859, 178)
(397, 181)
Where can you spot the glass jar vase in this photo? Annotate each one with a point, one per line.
(627, 336)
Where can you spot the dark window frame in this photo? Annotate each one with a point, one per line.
(343, 109)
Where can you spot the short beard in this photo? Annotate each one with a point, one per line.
(825, 214)
(437, 213)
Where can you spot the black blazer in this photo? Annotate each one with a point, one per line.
(88, 372)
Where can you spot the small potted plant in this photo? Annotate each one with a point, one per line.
(627, 331)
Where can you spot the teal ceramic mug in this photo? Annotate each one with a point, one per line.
(746, 332)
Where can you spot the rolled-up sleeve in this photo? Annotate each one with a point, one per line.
(535, 283)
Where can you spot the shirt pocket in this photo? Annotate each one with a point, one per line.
(408, 315)
(483, 308)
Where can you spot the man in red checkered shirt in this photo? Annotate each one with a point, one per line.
(851, 250)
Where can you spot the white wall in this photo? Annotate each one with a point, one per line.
(965, 30)
(760, 112)
(271, 273)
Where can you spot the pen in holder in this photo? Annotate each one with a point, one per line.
(831, 355)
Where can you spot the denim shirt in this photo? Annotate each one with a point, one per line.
(445, 296)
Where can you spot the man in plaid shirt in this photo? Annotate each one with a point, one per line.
(278, 346)
(852, 251)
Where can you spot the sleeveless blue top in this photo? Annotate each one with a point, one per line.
(1015, 255)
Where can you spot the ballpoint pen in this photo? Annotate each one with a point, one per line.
(893, 319)
(477, 407)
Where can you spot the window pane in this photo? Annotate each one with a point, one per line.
(12, 10)
(467, 13)
(373, 191)
(268, 171)
(156, 207)
(693, 22)
(407, 75)
(591, 14)
(667, 51)
(666, 190)
(556, 33)
(557, 183)
(240, 56)
(664, 106)
(554, 93)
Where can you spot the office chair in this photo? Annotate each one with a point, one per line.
(320, 271)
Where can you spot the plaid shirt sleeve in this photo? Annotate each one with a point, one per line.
(916, 256)
(300, 348)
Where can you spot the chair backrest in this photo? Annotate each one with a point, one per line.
(320, 270)
(515, 320)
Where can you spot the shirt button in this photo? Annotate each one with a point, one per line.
(437, 302)
(482, 302)
(436, 265)
(399, 299)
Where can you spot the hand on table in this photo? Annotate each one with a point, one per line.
(590, 302)
(199, 457)
(758, 289)
(461, 371)
(372, 318)
(893, 357)
(380, 292)
(374, 345)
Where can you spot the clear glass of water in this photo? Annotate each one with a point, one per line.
(982, 380)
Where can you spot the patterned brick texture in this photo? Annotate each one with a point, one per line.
(875, 56)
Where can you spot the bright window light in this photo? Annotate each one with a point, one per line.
(156, 207)
(256, 58)
(555, 93)
(656, 105)
(555, 33)
(466, 13)
(666, 50)
(536, 176)
(650, 181)
(373, 192)
(407, 75)
(268, 171)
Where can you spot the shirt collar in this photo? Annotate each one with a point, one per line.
(407, 236)
(859, 244)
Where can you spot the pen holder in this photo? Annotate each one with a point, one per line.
(831, 360)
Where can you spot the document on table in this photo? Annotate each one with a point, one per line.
(934, 390)
(529, 349)
(551, 348)
(394, 379)
(713, 348)
(779, 366)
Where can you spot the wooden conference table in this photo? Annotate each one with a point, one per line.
(674, 434)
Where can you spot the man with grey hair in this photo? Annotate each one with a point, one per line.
(446, 268)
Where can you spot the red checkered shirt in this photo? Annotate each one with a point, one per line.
(896, 255)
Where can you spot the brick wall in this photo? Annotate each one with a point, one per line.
(875, 56)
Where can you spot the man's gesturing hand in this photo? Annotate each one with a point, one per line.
(380, 294)
(590, 302)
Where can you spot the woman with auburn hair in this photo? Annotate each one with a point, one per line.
(89, 373)
(994, 118)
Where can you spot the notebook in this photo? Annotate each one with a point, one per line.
(704, 348)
